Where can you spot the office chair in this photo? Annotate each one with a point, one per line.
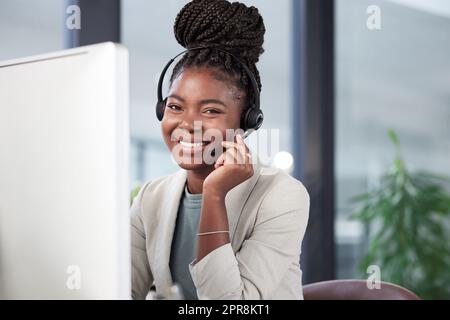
(353, 289)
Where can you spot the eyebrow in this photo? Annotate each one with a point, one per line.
(202, 102)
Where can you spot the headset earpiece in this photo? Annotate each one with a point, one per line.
(160, 107)
(252, 118)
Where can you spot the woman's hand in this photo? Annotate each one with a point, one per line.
(233, 167)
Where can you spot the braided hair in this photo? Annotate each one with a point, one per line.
(232, 27)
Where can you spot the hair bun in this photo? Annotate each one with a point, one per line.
(218, 23)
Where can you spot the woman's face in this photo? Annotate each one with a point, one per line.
(200, 107)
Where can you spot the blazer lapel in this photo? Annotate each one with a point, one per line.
(236, 198)
(168, 214)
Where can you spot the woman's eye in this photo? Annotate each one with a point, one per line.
(212, 111)
(174, 107)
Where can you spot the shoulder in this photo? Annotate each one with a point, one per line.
(281, 189)
(153, 190)
(281, 194)
(155, 186)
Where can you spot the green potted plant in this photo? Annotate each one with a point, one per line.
(407, 218)
(134, 192)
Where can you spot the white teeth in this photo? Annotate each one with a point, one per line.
(191, 145)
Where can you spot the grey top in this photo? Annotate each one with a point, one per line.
(184, 243)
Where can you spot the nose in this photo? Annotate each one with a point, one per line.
(186, 125)
(190, 122)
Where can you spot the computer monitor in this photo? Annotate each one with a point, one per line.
(64, 188)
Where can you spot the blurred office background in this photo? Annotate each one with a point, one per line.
(397, 77)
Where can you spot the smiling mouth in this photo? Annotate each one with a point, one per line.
(193, 144)
(193, 147)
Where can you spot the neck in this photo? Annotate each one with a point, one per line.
(195, 179)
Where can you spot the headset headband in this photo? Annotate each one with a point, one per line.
(247, 70)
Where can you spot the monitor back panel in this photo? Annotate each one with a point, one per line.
(64, 145)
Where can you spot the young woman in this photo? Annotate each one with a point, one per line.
(230, 228)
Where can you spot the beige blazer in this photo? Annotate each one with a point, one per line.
(267, 214)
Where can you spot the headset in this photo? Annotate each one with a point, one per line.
(251, 119)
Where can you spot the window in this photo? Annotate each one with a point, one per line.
(396, 77)
(30, 27)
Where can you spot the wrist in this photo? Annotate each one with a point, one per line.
(213, 193)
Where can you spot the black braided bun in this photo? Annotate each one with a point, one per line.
(232, 27)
